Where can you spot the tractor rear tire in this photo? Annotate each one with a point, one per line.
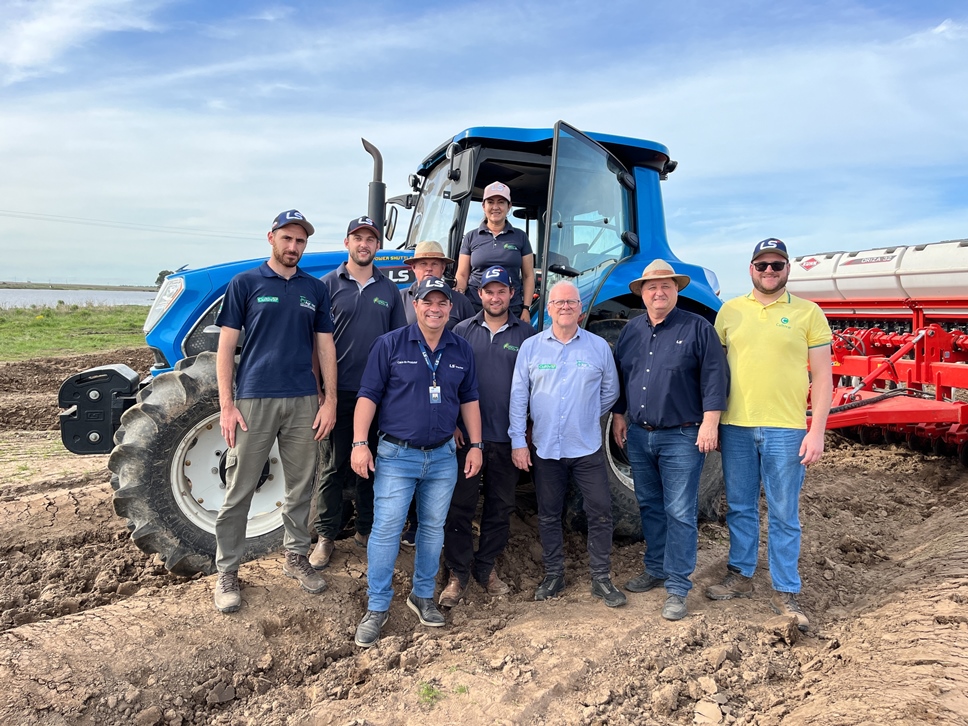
(167, 476)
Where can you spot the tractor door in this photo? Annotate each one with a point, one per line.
(588, 225)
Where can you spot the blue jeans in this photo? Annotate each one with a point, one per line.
(666, 465)
(401, 471)
(752, 455)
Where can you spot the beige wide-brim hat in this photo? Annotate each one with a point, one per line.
(658, 270)
(429, 251)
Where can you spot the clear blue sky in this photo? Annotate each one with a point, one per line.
(832, 125)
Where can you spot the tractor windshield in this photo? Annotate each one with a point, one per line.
(435, 215)
(589, 214)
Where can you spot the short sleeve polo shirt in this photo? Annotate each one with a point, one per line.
(398, 380)
(767, 347)
(505, 249)
(360, 316)
(280, 318)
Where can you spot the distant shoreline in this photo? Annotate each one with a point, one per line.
(70, 286)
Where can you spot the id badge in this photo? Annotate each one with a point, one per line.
(435, 394)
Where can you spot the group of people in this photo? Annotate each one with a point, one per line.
(423, 400)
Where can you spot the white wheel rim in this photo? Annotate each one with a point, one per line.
(199, 491)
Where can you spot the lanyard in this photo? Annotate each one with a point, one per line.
(431, 366)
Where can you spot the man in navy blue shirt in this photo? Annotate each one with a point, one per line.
(286, 317)
(674, 385)
(496, 336)
(365, 304)
(420, 377)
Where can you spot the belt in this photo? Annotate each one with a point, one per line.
(661, 428)
(407, 445)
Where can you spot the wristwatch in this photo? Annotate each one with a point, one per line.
(478, 445)
(361, 443)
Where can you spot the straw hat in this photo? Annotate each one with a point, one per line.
(429, 251)
(658, 270)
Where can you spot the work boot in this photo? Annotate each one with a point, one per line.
(298, 568)
(550, 587)
(227, 596)
(453, 593)
(427, 612)
(733, 585)
(603, 589)
(320, 556)
(361, 539)
(495, 585)
(368, 631)
(643, 583)
(785, 603)
(674, 608)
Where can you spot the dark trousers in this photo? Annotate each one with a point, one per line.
(500, 478)
(551, 485)
(336, 473)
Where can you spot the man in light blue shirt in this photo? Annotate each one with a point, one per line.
(568, 377)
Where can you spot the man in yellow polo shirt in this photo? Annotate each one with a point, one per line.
(770, 337)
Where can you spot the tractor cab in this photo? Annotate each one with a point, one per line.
(590, 204)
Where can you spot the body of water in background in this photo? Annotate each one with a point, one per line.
(16, 298)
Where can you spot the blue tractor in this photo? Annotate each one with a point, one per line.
(592, 207)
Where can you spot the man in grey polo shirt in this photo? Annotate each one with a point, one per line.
(365, 304)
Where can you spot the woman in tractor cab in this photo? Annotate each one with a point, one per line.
(497, 242)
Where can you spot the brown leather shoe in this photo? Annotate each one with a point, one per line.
(320, 556)
(452, 594)
(785, 603)
(733, 585)
(496, 586)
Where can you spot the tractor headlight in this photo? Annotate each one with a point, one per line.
(167, 294)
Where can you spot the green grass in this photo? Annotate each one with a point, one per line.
(429, 694)
(67, 329)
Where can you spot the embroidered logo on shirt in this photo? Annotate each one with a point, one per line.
(305, 302)
(378, 301)
(454, 365)
(784, 323)
(405, 362)
(546, 366)
(582, 364)
(267, 299)
(509, 246)
(512, 348)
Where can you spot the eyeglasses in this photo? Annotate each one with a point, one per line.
(565, 303)
(775, 266)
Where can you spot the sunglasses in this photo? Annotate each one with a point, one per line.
(775, 266)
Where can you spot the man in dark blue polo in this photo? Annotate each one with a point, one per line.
(495, 335)
(674, 383)
(420, 377)
(276, 397)
(366, 304)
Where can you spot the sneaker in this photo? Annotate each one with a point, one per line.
(361, 539)
(643, 583)
(674, 608)
(496, 586)
(733, 585)
(227, 596)
(604, 589)
(427, 612)
(453, 593)
(298, 568)
(550, 587)
(368, 631)
(321, 554)
(785, 603)
(409, 537)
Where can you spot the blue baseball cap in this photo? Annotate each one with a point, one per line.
(293, 216)
(432, 284)
(363, 222)
(770, 245)
(495, 274)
